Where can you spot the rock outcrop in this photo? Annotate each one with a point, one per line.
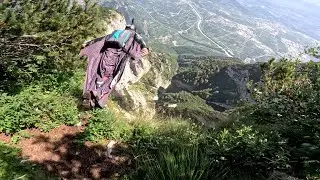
(118, 22)
(137, 91)
(230, 84)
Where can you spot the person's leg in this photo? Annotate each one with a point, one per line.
(106, 92)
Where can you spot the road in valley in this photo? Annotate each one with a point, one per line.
(226, 51)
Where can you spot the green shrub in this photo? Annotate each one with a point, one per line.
(34, 108)
(104, 125)
(43, 38)
(67, 83)
(288, 104)
(148, 137)
(167, 151)
(57, 22)
(13, 168)
(181, 163)
(241, 152)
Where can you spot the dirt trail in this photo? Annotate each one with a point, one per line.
(58, 152)
(4, 138)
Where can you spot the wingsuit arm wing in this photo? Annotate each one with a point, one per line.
(88, 43)
(140, 40)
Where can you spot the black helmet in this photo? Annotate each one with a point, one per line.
(131, 26)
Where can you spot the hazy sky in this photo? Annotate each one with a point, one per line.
(298, 4)
(314, 2)
(301, 15)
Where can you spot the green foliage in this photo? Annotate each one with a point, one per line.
(20, 65)
(171, 133)
(197, 71)
(57, 22)
(13, 168)
(203, 94)
(241, 152)
(188, 106)
(186, 100)
(167, 149)
(180, 163)
(17, 136)
(33, 108)
(237, 153)
(140, 135)
(67, 83)
(314, 52)
(104, 125)
(279, 134)
(41, 38)
(288, 105)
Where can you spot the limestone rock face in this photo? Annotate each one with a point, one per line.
(137, 91)
(118, 22)
(133, 72)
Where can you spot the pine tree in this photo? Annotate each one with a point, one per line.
(45, 36)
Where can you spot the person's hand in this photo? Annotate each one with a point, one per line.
(83, 45)
(144, 52)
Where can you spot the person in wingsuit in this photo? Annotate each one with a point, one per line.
(107, 57)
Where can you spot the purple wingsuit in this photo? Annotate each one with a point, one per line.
(105, 67)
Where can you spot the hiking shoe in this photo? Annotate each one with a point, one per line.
(86, 103)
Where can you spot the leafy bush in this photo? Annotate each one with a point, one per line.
(288, 104)
(33, 108)
(21, 65)
(148, 136)
(104, 125)
(238, 153)
(241, 152)
(57, 22)
(44, 37)
(13, 168)
(67, 83)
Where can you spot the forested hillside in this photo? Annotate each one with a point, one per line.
(220, 81)
(269, 127)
